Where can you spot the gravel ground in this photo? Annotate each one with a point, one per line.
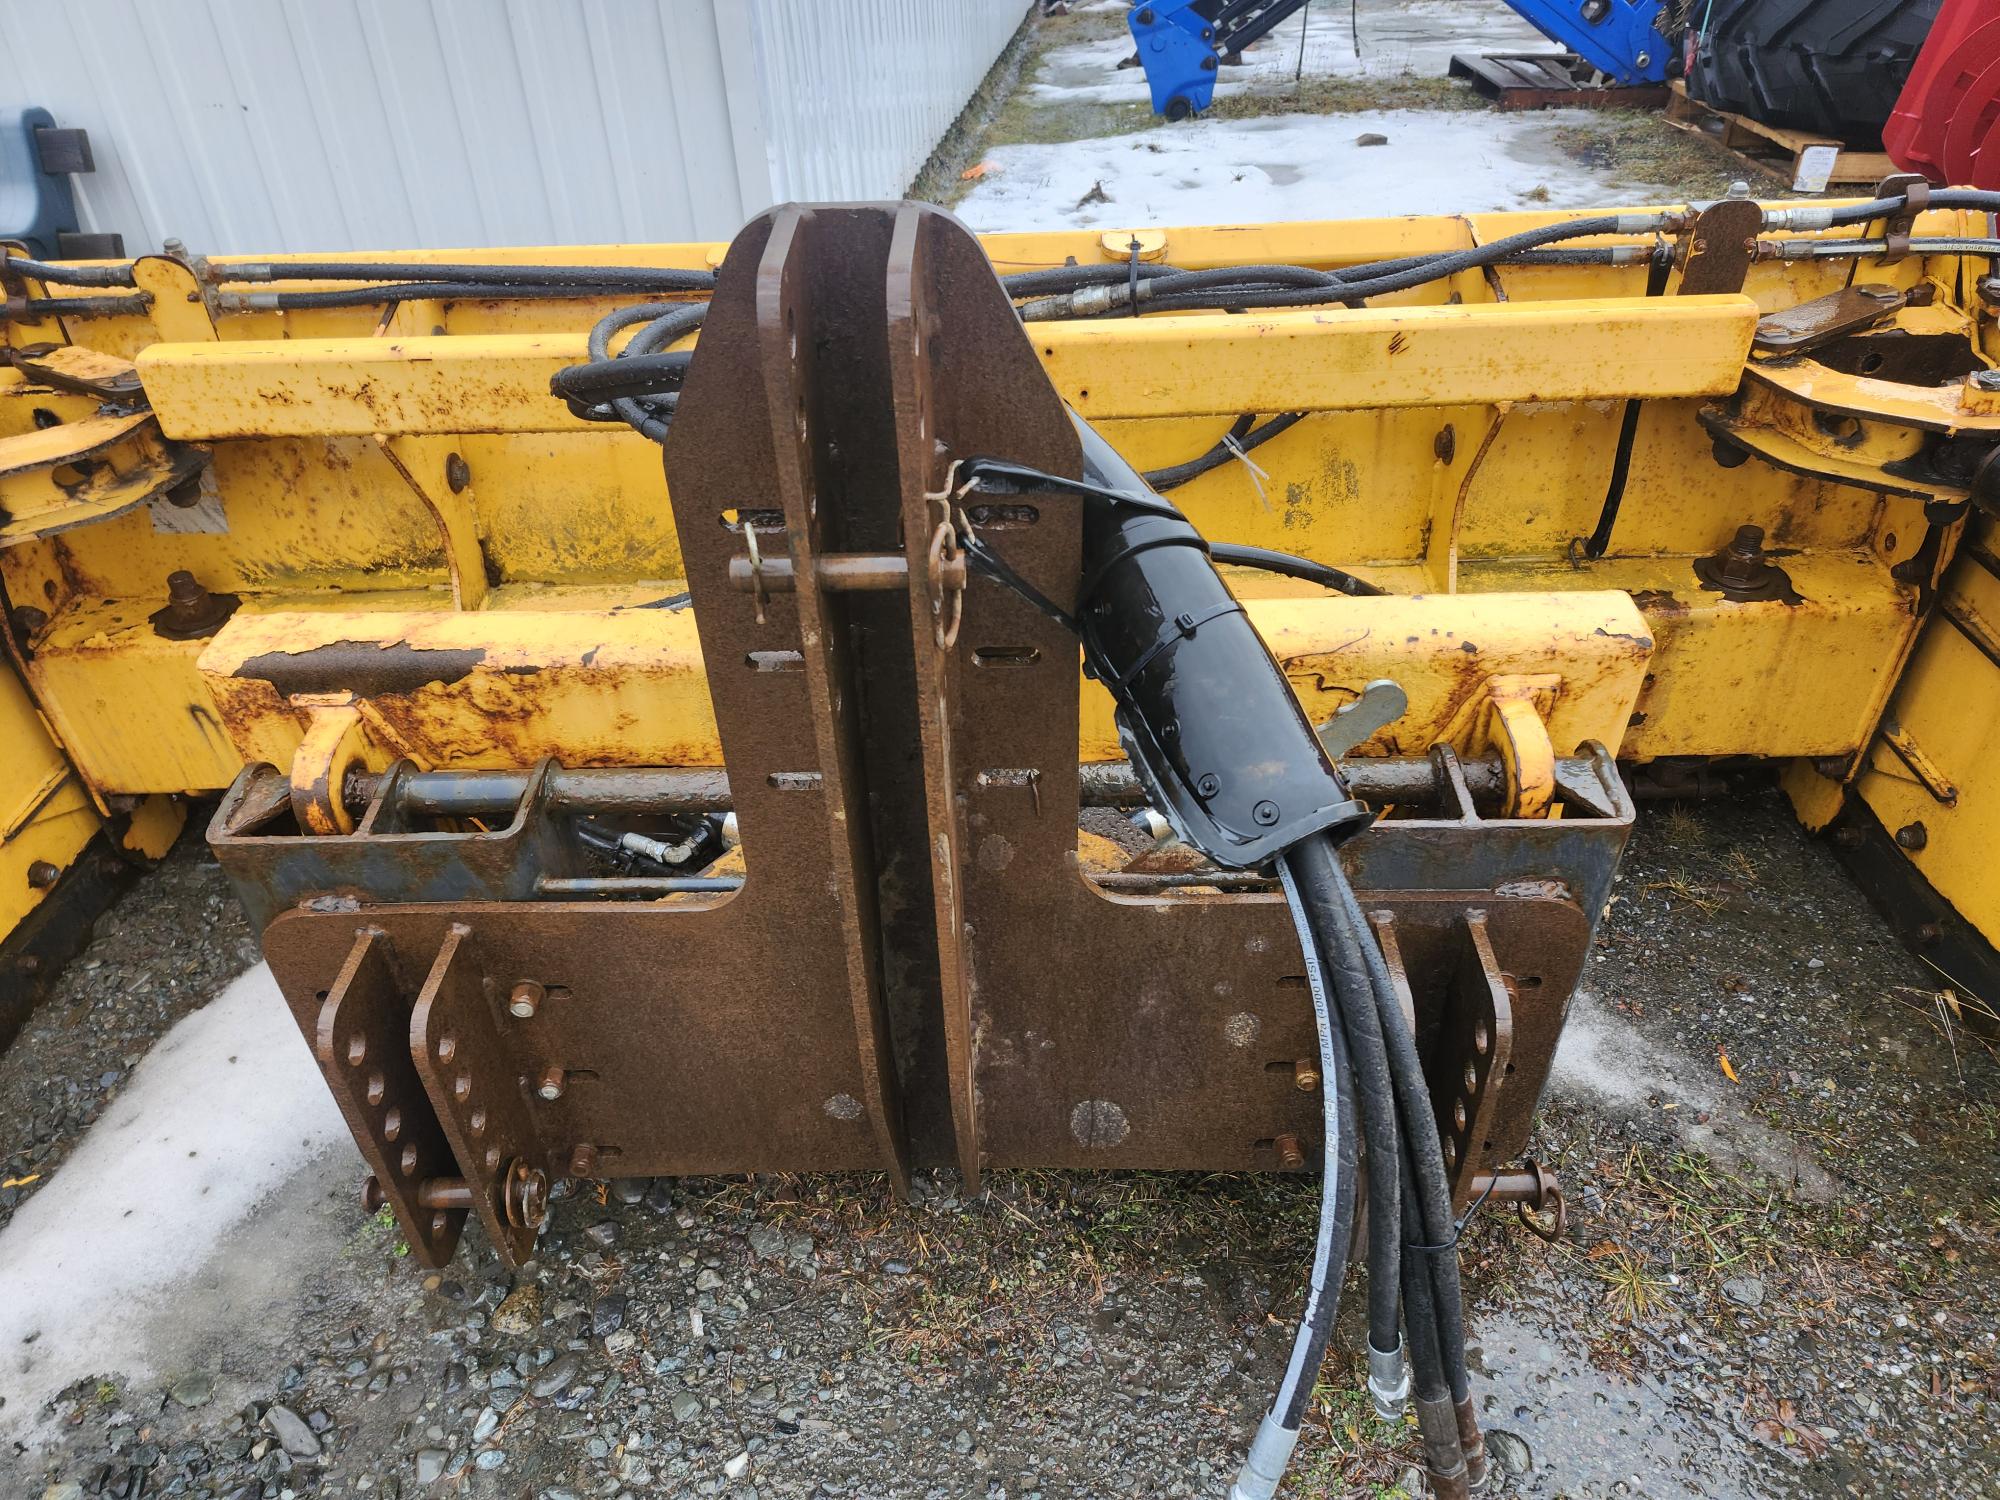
(1776, 1284)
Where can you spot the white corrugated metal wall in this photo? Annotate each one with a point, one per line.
(246, 126)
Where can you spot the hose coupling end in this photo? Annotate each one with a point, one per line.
(1389, 1380)
(1264, 1466)
(1641, 223)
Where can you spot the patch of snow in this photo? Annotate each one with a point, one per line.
(1294, 167)
(1418, 37)
(103, 1271)
(1610, 1060)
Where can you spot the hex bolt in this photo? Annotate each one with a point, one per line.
(1912, 836)
(457, 474)
(1305, 1075)
(1266, 813)
(551, 1084)
(1986, 380)
(42, 874)
(583, 1160)
(525, 999)
(1209, 784)
(192, 613)
(1290, 1157)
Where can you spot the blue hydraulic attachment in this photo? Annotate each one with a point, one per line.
(1619, 38)
(1181, 41)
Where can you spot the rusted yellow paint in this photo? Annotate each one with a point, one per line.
(509, 688)
(45, 813)
(1403, 471)
(1441, 649)
(1349, 359)
(1130, 367)
(154, 825)
(1946, 712)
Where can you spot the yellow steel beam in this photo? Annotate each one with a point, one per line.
(1599, 348)
(360, 387)
(1349, 359)
(508, 687)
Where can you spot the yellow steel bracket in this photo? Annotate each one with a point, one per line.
(334, 744)
(1508, 715)
(434, 470)
(342, 735)
(68, 475)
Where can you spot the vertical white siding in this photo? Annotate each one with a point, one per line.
(243, 126)
(857, 94)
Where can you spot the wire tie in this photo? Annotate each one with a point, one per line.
(1257, 475)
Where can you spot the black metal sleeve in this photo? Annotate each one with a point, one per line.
(1204, 712)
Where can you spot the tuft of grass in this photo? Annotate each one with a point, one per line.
(1631, 1291)
(1683, 887)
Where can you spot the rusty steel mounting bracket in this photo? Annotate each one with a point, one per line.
(915, 966)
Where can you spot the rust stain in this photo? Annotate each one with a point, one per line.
(369, 669)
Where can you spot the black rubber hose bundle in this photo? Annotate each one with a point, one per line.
(1312, 866)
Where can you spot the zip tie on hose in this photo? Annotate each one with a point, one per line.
(1257, 475)
(1457, 1227)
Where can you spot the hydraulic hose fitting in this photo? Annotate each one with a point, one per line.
(1444, 1460)
(1389, 1380)
(1472, 1443)
(1270, 1454)
(1801, 218)
(1161, 630)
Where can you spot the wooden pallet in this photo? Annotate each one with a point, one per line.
(1771, 148)
(1549, 80)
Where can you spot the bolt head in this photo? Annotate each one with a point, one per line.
(1986, 380)
(525, 999)
(1209, 784)
(1266, 813)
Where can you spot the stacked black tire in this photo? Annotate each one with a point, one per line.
(1833, 67)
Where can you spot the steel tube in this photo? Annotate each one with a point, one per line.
(681, 789)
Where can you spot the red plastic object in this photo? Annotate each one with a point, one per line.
(1946, 124)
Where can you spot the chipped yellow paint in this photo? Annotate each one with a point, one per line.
(45, 813)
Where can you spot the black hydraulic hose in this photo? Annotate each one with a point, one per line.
(587, 278)
(1446, 1418)
(1240, 441)
(63, 275)
(648, 410)
(1433, 1198)
(1278, 1434)
(627, 375)
(1069, 278)
(431, 291)
(1875, 208)
(1337, 579)
(110, 305)
(1205, 289)
(1307, 862)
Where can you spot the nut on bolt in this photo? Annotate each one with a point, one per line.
(525, 1195)
(551, 1084)
(525, 999)
(1305, 1075)
(192, 613)
(42, 874)
(1290, 1157)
